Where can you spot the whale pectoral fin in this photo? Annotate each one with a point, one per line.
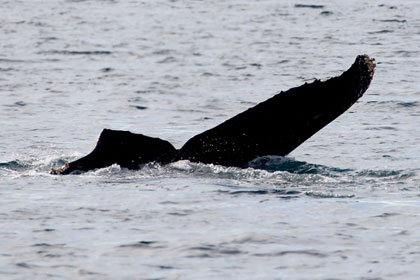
(127, 149)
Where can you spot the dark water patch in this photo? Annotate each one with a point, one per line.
(52, 255)
(9, 69)
(64, 52)
(264, 192)
(181, 213)
(391, 20)
(49, 38)
(169, 203)
(142, 244)
(283, 61)
(284, 197)
(107, 69)
(44, 230)
(381, 128)
(17, 104)
(405, 175)
(169, 59)
(311, 6)
(251, 192)
(408, 104)
(275, 163)
(345, 236)
(311, 253)
(7, 60)
(256, 65)
(15, 165)
(139, 107)
(404, 104)
(230, 252)
(386, 6)
(41, 245)
(25, 265)
(204, 248)
(92, 228)
(164, 267)
(326, 13)
(143, 91)
(19, 22)
(208, 74)
(89, 273)
(164, 52)
(351, 224)
(212, 251)
(384, 31)
(405, 53)
(38, 23)
(171, 77)
(386, 215)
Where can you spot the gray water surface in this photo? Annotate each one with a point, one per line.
(344, 205)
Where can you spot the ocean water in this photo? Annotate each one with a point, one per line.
(344, 205)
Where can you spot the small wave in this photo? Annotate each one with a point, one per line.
(210, 250)
(378, 173)
(271, 191)
(8, 69)
(15, 165)
(311, 253)
(309, 6)
(25, 265)
(382, 128)
(107, 69)
(326, 13)
(381, 31)
(276, 163)
(17, 104)
(7, 60)
(164, 52)
(408, 104)
(169, 59)
(138, 107)
(80, 52)
(391, 20)
(25, 167)
(387, 6)
(279, 193)
(386, 215)
(142, 244)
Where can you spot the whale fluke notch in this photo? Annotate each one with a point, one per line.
(274, 127)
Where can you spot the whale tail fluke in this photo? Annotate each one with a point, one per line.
(274, 127)
(280, 124)
(124, 148)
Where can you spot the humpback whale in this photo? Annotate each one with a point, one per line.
(273, 127)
